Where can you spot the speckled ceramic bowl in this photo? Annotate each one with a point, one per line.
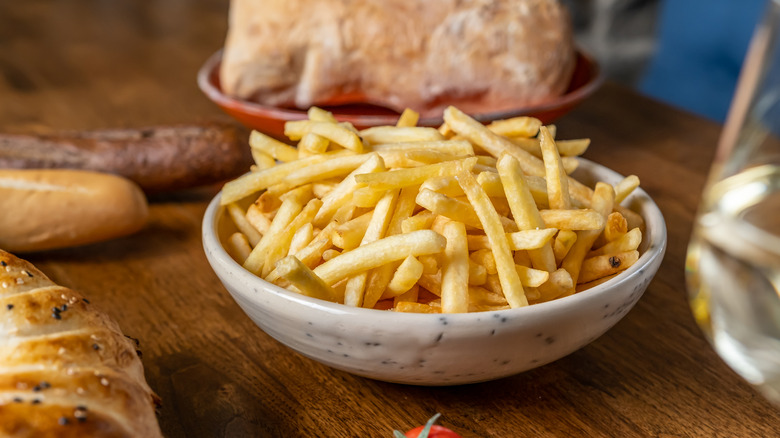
(438, 349)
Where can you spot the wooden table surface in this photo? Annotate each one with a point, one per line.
(81, 64)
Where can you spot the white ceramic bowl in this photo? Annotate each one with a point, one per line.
(440, 349)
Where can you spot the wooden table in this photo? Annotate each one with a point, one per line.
(122, 63)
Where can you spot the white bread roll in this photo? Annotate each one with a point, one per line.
(57, 208)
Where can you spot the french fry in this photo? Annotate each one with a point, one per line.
(531, 277)
(271, 146)
(312, 143)
(286, 213)
(583, 219)
(238, 215)
(625, 187)
(366, 197)
(616, 226)
(349, 234)
(603, 201)
(407, 307)
(301, 238)
(585, 286)
(410, 296)
(335, 132)
(238, 247)
(254, 182)
(408, 118)
(563, 243)
(377, 227)
(566, 148)
(262, 160)
(557, 182)
(627, 242)
(414, 176)
(477, 273)
(330, 254)
(325, 169)
(454, 147)
(510, 281)
(405, 276)
(278, 245)
(420, 221)
(455, 270)
(530, 239)
(516, 127)
(258, 219)
(394, 134)
(445, 206)
(343, 191)
(485, 258)
(305, 280)
(378, 278)
(430, 263)
(607, 264)
(378, 253)
(317, 114)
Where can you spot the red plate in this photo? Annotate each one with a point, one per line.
(270, 119)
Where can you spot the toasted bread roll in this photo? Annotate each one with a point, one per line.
(66, 369)
(48, 209)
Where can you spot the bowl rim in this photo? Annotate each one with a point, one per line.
(655, 249)
(214, 92)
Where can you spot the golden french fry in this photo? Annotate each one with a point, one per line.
(455, 270)
(585, 286)
(430, 263)
(312, 143)
(343, 191)
(258, 219)
(317, 114)
(414, 176)
(348, 235)
(335, 132)
(524, 210)
(238, 247)
(409, 117)
(516, 127)
(378, 253)
(286, 213)
(627, 242)
(379, 278)
(607, 264)
(557, 182)
(454, 147)
(445, 206)
(616, 226)
(477, 273)
(531, 277)
(262, 160)
(394, 134)
(602, 202)
(329, 254)
(485, 258)
(325, 169)
(563, 243)
(238, 215)
(278, 246)
(254, 182)
(530, 239)
(625, 187)
(583, 219)
(301, 238)
(410, 296)
(420, 221)
(366, 197)
(408, 307)
(491, 223)
(405, 276)
(271, 146)
(431, 283)
(305, 280)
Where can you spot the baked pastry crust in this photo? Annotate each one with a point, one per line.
(478, 55)
(68, 372)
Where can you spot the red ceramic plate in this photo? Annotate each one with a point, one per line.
(270, 119)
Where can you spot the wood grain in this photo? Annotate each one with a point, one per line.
(89, 64)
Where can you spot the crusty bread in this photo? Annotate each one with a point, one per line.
(479, 55)
(56, 208)
(66, 369)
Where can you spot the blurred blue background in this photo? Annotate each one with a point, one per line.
(700, 48)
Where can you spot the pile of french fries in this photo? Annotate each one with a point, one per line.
(462, 218)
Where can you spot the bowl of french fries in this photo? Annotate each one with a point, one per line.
(432, 256)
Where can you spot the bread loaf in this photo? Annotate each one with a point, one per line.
(66, 369)
(48, 209)
(481, 56)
